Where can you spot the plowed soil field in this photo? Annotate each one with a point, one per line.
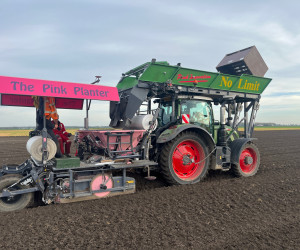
(260, 212)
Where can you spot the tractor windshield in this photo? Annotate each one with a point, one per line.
(200, 113)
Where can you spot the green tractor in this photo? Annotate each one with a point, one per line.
(185, 137)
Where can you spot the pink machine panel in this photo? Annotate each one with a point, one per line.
(99, 137)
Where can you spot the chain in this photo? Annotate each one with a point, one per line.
(202, 159)
(206, 156)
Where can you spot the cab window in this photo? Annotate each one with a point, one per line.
(199, 111)
(165, 113)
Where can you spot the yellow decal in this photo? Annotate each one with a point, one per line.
(227, 83)
(248, 85)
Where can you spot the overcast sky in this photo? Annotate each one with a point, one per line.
(75, 40)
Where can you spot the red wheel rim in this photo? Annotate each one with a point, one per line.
(248, 160)
(188, 160)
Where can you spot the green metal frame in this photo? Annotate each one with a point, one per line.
(162, 72)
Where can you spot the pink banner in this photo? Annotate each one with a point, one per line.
(25, 86)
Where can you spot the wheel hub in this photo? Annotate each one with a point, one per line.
(248, 160)
(187, 159)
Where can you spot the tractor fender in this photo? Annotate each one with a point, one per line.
(170, 133)
(236, 148)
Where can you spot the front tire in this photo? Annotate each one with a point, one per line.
(249, 161)
(17, 202)
(184, 160)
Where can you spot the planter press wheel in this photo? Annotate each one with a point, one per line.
(184, 159)
(102, 181)
(249, 161)
(17, 202)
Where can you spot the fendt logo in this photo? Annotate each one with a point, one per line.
(192, 78)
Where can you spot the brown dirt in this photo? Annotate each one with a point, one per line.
(221, 212)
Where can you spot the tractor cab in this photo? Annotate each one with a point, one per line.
(199, 111)
(188, 111)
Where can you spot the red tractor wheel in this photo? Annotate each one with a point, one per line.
(183, 160)
(249, 161)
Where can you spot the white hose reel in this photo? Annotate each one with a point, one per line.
(142, 122)
(34, 147)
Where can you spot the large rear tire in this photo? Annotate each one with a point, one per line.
(249, 161)
(17, 202)
(184, 160)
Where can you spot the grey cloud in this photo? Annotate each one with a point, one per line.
(76, 40)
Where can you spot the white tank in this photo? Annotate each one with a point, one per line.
(35, 148)
(141, 122)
